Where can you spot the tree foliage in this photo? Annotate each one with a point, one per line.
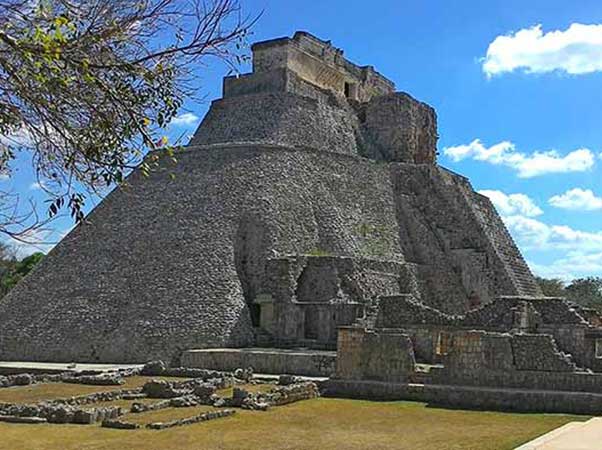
(551, 287)
(12, 271)
(586, 292)
(88, 87)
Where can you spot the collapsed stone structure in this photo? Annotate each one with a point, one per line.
(308, 208)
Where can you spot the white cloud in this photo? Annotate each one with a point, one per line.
(512, 204)
(19, 138)
(577, 200)
(573, 265)
(36, 186)
(185, 119)
(527, 165)
(576, 50)
(535, 235)
(581, 250)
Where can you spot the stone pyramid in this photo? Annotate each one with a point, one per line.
(309, 189)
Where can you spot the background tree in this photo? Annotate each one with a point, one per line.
(551, 287)
(15, 270)
(88, 87)
(586, 292)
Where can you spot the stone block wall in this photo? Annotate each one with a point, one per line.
(468, 397)
(539, 352)
(280, 118)
(437, 220)
(321, 64)
(525, 361)
(505, 314)
(314, 295)
(368, 355)
(401, 310)
(479, 351)
(298, 362)
(397, 127)
(110, 292)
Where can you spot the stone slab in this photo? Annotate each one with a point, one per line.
(27, 420)
(317, 363)
(14, 367)
(572, 436)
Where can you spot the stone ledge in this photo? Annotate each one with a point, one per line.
(263, 360)
(468, 397)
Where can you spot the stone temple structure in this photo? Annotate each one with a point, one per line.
(307, 211)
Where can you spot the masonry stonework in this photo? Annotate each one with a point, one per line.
(309, 199)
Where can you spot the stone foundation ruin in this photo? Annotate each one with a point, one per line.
(308, 209)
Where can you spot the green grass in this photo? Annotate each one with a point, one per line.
(324, 424)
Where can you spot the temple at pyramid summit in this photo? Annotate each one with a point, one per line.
(308, 212)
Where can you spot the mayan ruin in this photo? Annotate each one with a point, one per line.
(308, 230)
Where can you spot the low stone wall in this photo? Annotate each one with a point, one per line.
(479, 358)
(109, 379)
(192, 420)
(522, 379)
(123, 425)
(283, 395)
(275, 361)
(71, 402)
(519, 400)
(59, 413)
(159, 368)
(114, 378)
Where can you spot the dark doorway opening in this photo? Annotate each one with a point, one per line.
(311, 323)
(255, 311)
(351, 91)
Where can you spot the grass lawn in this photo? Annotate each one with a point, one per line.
(323, 424)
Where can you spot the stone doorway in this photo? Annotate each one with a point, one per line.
(311, 323)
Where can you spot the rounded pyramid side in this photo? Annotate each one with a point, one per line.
(166, 264)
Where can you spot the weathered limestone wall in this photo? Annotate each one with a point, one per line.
(280, 118)
(114, 291)
(314, 295)
(527, 361)
(321, 64)
(442, 234)
(469, 358)
(279, 107)
(539, 352)
(397, 127)
(367, 355)
(552, 316)
(280, 166)
(298, 362)
(469, 397)
(167, 265)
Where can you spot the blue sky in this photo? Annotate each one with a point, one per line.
(519, 107)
